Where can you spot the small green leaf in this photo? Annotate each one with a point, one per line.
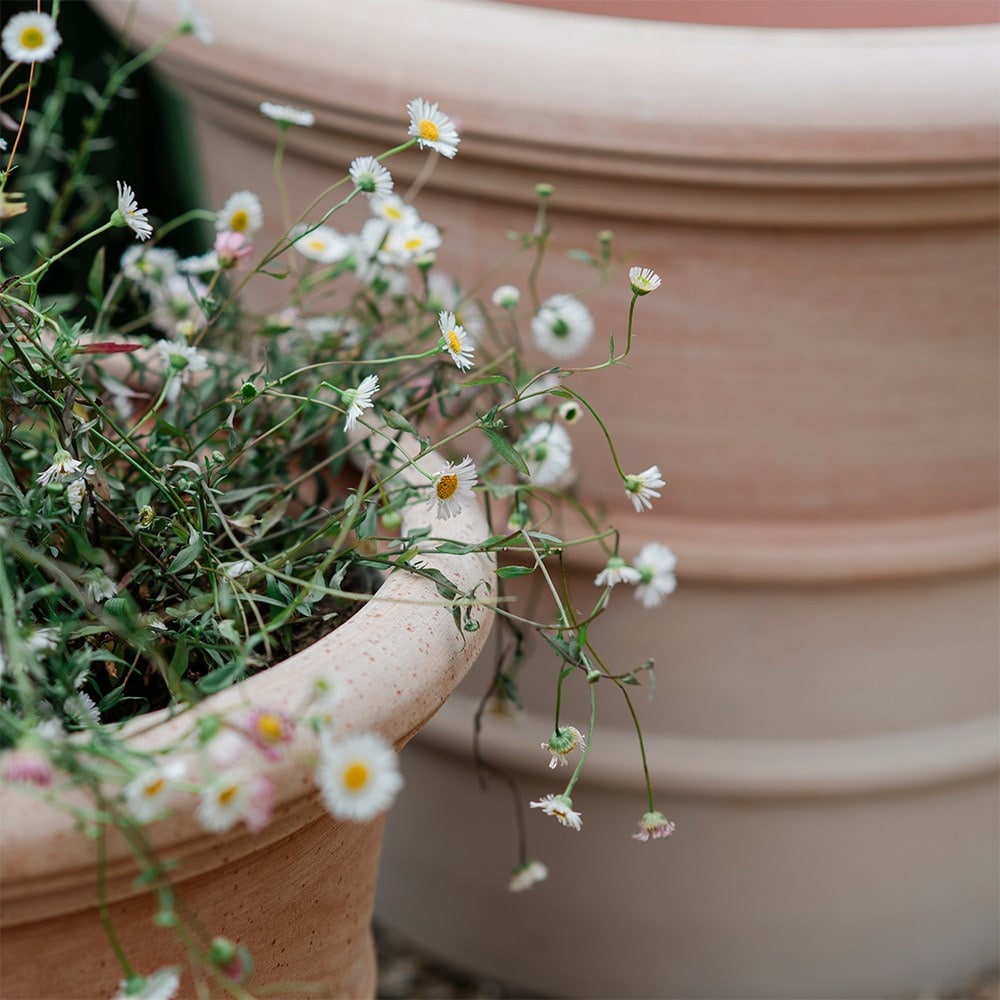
(508, 571)
(506, 450)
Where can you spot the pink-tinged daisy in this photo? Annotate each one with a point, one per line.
(285, 114)
(616, 571)
(655, 564)
(239, 795)
(129, 214)
(322, 244)
(231, 249)
(548, 452)
(432, 128)
(562, 743)
(146, 795)
(643, 485)
(30, 37)
(452, 488)
(358, 776)
(456, 341)
(561, 807)
(369, 176)
(359, 399)
(160, 985)
(242, 213)
(526, 875)
(654, 825)
(25, 766)
(643, 280)
(268, 731)
(63, 464)
(563, 326)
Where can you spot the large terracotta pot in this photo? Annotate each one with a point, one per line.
(817, 379)
(299, 894)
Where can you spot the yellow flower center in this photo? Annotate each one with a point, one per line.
(355, 776)
(317, 244)
(413, 243)
(239, 221)
(446, 486)
(270, 728)
(153, 788)
(226, 795)
(428, 130)
(32, 38)
(454, 342)
(393, 213)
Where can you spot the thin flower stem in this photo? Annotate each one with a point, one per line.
(102, 897)
(590, 739)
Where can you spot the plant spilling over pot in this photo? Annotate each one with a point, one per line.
(191, 489)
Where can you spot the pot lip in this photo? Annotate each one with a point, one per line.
(757, 96)
(389, 667)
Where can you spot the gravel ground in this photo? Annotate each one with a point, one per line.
(406, 975)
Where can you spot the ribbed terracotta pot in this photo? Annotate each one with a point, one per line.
(818, 381)
(300, 893)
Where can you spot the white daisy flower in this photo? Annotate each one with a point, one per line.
(392, 210)
(358, 400)
(242, 213)
(643, 485)
(75, 494)
(563, 326)
(643, 280)
(656, 564)
(562, 743)
(195, 23)
(177, 357)
(320, 243)
(456, 341)
(548, 452)
(616, 571)
(30, 37)
(432, 128)
(444, 293)
(654, 825)
(404, 244)
(370, 176)
(527, 875)
(147, 793)
(82, 709)
(561, 807)
(149, 267)
(63, 464)
(506, 296)
(100, 587)
(241, 794)
(206, 263)
(285, 114)
(358, 776)
(129, 214)
(160, 985)
(453, 488)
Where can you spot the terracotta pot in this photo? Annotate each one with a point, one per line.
(299, 894)
(818, 380)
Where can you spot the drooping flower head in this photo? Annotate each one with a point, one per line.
(160, 985)
(63, 464)
(654, 825)
(562, 743)
(242, 213)
(368, 175)
(655, 564)
(359, 399)
(432, 128)
(643, 485)
(506, 296)
(456, 341)
(548, 452)
(30, 37)
(285, 114)
(526, 875)
(129, 214)
(452, 488)
(617, 571)
(563, 326)
(358, 776)
(194, 22)
(561, 807)
(643, 280)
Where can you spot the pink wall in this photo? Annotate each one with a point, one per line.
(791, 13)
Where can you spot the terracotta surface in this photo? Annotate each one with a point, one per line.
(817, 378)
(300, 893)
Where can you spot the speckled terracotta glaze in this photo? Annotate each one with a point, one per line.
(299, 894)
(817, 378)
